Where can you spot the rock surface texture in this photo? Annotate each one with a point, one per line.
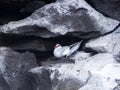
(14, 69)
(27, 45)
(62, 17)
(108, 43)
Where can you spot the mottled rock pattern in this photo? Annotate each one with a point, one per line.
(90, 72)
(14, 69)
(105, 79)
(61, 18)
(41, 79)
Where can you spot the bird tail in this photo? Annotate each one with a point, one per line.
(77, 43)
(75, 46)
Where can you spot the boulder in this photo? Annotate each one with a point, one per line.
(41, 78)
(72, 76)
(106, 44)
(74, 17)
(54, 79)
(94, 63)
(14, 69)
(105, 79)
(80, 55)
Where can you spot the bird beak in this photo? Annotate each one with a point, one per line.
(55, 46)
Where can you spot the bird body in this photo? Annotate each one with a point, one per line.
(61, 51)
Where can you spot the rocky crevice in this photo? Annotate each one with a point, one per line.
(26, 46)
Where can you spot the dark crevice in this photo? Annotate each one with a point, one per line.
(40, 56)
(112, 30)
(19, 44)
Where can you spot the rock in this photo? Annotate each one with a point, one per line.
(41, 79)
(3, 84)
(94, 63)
(55, 80)
(72, 76)
(118, 57)
(80, 55)
(104, 79)
(14, 69)
(63, 17)
(106, 44)
(109, 8)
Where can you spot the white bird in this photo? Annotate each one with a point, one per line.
(61, 51)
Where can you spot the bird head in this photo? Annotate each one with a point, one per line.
(57, 45)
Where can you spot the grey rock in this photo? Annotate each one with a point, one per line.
(109, 8)
(80, 55)
(3, 84)
(63, 17)
(14, 69)
(73, 76)
(54, 80)
(94, 63)
(41, 78)
(104, 79)
(117, 56)
(106, 44)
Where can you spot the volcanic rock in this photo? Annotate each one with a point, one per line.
(74, 17)
(14, 69)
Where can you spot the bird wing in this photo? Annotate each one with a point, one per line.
(66, 51)
(75, 46)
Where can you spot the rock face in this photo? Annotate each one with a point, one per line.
(62, 17)
(93, 72)
(104, 79)
(96, 64)
(109, 8)
(41, 79)
(14, 69)
(108, 43)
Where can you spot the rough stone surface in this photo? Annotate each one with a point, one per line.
(80, 55)
(106, 44)
(95, 67)
(90, 71)
(41, 78)
(14, 69)
(63, 17)
(55, 80)
(105, 79)
(109, 8)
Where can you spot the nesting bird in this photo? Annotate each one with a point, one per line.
(61, 51)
